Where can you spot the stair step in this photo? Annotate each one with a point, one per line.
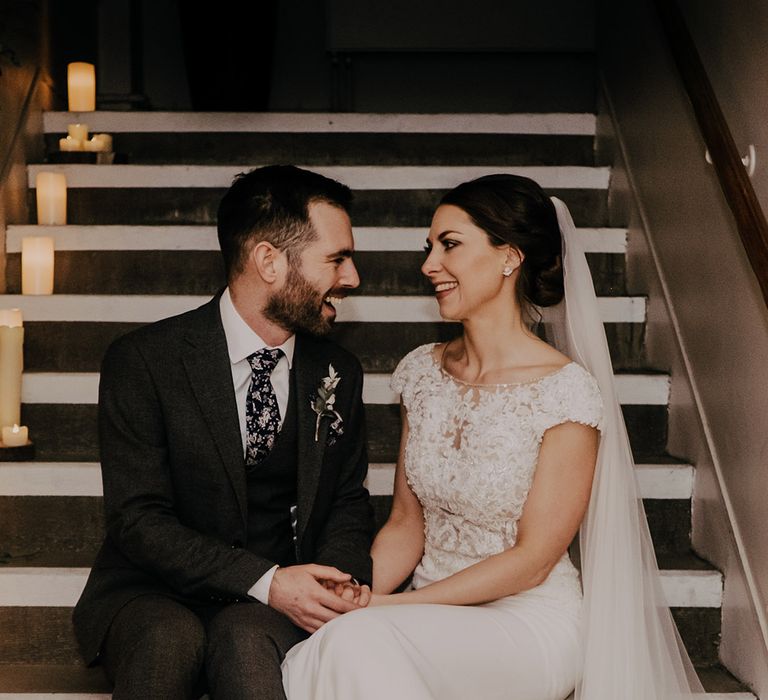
(153, 206)
(656, 481)
(54, 529)
(61, 587)
(123, 238)
(83, 388)
(147, 308)
(328, 122)
(62, 346)
(33, 682)
(324, 149)
(75, 438)
(43, 633)
(196, 272)
(360, 177)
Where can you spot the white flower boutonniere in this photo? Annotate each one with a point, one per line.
(323, 403)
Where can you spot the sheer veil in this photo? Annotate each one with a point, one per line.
(632, 648)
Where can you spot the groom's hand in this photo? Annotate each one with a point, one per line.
(298, 593)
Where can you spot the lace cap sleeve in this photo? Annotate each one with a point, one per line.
(574, 397)
(409, 370)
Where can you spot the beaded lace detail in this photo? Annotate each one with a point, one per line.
(471, 455)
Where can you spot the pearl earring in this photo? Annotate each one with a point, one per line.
(507, 271)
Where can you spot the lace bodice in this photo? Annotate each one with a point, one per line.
(471, 455)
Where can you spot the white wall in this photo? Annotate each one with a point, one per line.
(707, 318)
(731, 39)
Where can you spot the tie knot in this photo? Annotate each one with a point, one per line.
(265, 360)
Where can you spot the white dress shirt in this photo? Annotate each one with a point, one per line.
(242, 341)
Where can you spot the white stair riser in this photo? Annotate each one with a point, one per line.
(145, 309)
(83, 387)
(332, 122)
(660, 481)
(358, 177)
(115, 237)
(61, 587)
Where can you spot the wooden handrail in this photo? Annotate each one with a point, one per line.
(734, 181)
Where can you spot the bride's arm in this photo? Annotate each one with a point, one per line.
(553, 512)
(400, 543)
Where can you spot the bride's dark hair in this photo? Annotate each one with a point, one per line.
(514, 210)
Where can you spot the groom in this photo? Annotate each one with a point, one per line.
(233, 458)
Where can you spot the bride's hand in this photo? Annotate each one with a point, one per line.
(352, 592)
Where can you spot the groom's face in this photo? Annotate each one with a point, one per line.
(320, 277)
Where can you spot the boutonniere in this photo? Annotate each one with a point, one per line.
(322, 404)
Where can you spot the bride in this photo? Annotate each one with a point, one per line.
(506, 452)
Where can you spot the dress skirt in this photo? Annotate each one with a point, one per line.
(523, 647)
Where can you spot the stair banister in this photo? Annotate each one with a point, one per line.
(731, 173)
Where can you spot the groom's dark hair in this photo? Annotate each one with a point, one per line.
(272, 204)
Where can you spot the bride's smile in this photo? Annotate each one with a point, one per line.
(456, 250)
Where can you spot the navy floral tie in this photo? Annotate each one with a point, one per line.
(262, 414)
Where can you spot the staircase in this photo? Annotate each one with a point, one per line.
(141, 245)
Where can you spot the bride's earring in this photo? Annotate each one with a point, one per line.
(508, 268)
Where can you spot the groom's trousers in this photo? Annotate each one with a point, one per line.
(157, 647)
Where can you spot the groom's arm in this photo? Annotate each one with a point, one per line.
(344, 539)
(139, 495)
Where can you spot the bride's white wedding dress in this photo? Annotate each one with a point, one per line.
(470, 459)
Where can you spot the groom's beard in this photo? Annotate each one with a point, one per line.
(298, 306)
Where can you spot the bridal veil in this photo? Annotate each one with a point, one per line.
(632, 649)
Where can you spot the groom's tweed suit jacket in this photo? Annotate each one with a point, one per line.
(175, 492)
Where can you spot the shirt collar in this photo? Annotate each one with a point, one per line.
(242, 340)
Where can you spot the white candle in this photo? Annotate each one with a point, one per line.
(78, 131)
(105, 142)
(70, 144)
(11, 365)
(81, 87)
(51, 199)
(15, 435)
(37, 265)
(11, 318)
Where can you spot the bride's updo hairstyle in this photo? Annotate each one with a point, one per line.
(515, 211)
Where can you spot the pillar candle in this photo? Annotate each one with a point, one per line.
(51, 199)
(15, 435)
(105, 142)
(81, 87)
(37, 265)
(78, 131)
(70, 144)
(11, 366)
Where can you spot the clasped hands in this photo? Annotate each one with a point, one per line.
(312, 594)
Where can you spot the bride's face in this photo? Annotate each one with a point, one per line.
(462, 265)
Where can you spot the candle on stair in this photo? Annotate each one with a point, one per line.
(104, 141)
(78, 131)
(81, 87)
(51, 189)
(99, 143)
(11, 365)
(15, 435)
(70, 144)
(37, 265)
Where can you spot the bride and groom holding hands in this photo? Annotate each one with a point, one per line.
(238, 557)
